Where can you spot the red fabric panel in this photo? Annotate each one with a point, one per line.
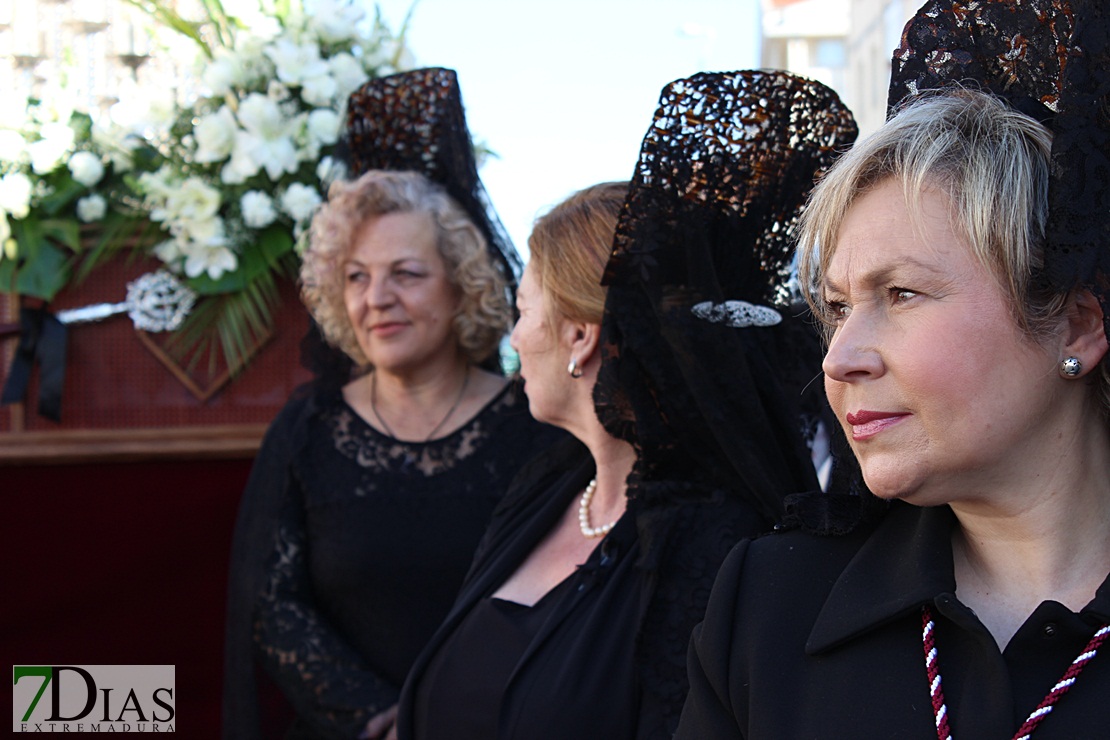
(122, 563)
(114, 382)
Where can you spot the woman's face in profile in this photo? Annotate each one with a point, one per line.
(398, 296)
(936, 387)
(534, 341)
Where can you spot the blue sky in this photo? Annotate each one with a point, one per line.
(564, 90)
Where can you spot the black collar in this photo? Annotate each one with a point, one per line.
(906, 562)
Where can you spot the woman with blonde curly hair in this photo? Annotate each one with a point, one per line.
(370, 494)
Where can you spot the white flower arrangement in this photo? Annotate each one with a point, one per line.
(231, 180)
(270, 114)
(59, 168)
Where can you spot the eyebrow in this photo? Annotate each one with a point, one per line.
(880, 275)
(394, 263)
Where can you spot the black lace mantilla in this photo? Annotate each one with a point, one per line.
(696, 373)
(415, 121)
(1050, 59)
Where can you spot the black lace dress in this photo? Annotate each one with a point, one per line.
(368, 541)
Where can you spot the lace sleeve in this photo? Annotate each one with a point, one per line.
(328, 683)
(700, 536)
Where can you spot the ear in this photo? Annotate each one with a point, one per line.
(582, 339)
(1086, 330)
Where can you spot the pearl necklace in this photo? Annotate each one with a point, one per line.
(584, 513)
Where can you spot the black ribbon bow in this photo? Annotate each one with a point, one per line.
(42, 339)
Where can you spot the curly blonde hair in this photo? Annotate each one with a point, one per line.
(484, 314)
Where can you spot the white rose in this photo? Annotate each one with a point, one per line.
(241, 166)
(86, 168)
(116, 143)
(296, 62)
(323, 126)
(258, 209)
(193, 200)
(13, 147)
(222, 74)
(207, 231)
(49, 151)
(156, 185)
(319, 90)
(213, 260)
(299, 201)
(347, 73)
(91, 208)
(215, 135)
(168, 251)
(15, 194)
(266, 140)
(335, 22)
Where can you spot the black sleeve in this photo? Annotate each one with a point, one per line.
(708, 713)
(699, 537)
(329, 684)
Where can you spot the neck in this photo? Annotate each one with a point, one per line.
(427, 383)
(613, 459)
(1050, 541)
(412, 406)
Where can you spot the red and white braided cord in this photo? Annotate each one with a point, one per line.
(1066, 682)
(936, 693)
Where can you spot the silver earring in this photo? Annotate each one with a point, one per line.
(573, 369)
(1070, 367)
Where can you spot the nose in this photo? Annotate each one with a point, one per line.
(380, 292)
(512, 337)
(854, 352)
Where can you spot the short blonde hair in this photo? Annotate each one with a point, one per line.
(991, 161)
(569, 248)
(484, 314)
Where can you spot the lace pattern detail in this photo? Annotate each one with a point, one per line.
(327, 621)
(1049, 59)
(377, 453)
(415, 121)
(709, 223)
(339, 690)
(697, 537)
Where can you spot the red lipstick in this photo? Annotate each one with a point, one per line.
(867, 424)
(863, 417)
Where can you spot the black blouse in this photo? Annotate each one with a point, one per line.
(373, 538)
(467, 679)
(554, 681)
(609, 660)
(821, 637)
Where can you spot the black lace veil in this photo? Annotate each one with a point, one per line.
(711, 365)
(1049, 59)
(414, 121)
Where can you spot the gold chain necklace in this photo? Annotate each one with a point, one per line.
(437, 427)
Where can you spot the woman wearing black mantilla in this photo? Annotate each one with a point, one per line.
(961, 257)
(373, 487)
(681, 383)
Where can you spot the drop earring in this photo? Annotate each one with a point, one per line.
(573, 370)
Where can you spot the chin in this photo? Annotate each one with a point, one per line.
(891, 485)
